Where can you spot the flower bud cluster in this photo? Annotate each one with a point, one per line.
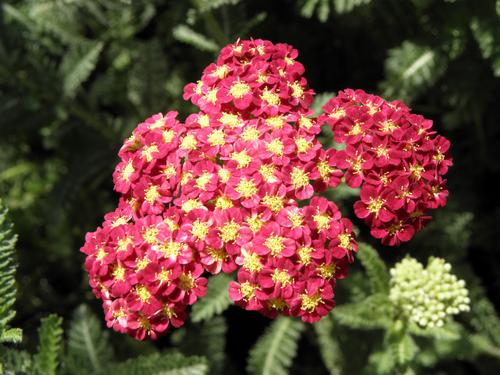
(396, 158)
(427, 296)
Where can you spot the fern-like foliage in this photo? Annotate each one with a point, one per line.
(8, 266)
(323, 8)
(273, 353)
(162, 364)
(187, 35)
(50, 334)
(411, 69)
(328, 345)
(487, 34)
(88, 348)
(78, 64)
(374, 311)
(216, 300)
(207, 339)
(375, 267)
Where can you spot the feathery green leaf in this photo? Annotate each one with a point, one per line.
(216, 300)
(376, 269)
(273, 353)
(50, 345)
(162, 364)
(8, 267)
(89, 350)
(187, 35)
(328, 346)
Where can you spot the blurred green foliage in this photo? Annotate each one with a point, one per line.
(77, 76)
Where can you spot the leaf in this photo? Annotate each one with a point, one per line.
(273, 353)
(78, 64)
(89, 350)
(8, 267)
(50, 345)
(345, 6)
(216, 300)
(378, 273)
(207, 339)
(11, 335)
(404, 350)
(328, 346)
(162, 364)
(371, 313)
(487, 34)
(187, 35)
(411, 69)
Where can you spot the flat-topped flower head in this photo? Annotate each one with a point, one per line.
(234, 187)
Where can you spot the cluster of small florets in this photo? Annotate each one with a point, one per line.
(395, 157)
(427, 296)
(220, 192)
(232, 188)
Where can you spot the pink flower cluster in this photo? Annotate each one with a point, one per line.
(220, 192)
(396, 158)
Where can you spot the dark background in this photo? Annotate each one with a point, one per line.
(76, 79)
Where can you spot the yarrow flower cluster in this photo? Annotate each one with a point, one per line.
(396, 158)
(427, 296)
(220, 192)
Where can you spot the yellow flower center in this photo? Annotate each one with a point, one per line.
(100, 254)
(169, 171)
(168, 135)
(305, 255)
(199, 229)
(322, 220)
(277, 304)
(267, 171)
(190, 205)
(326, 271)
(143, 293)
(127, 171)
(275, 244)
(142, 263)
(171, 249)
(297, 90)
(119, 273)
(224, 174)
(147, 152)
(223, 202)
(299, 178)
(324, 169)
(270, 97)
(242, 158)
(375, 205)
(221, 71)
(276, 147)
(309, 303)
(273, 202)
(151, 194)
(305, 122)
(150, 234)
(186, 281)
(188, 142)
(255, 223)
(217, 254)
(345, 240)
(230, 119)
(229, 231)
(203, 180)
(281, 276)
(252, 262)
(204, 121)
(217, 138)
(250, 134)
(388, 126)
(211, 95)
(247, 290)
(338, 113)
(303, 145)
(163, 276)
(416, 171)
(239, 89)
(246, 188)
(275, 122)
